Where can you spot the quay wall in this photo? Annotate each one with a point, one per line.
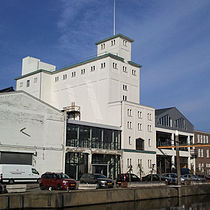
(50, 199)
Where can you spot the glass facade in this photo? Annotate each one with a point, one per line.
(92, 137)
(76, 164)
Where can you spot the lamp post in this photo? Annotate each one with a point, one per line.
(177, 158)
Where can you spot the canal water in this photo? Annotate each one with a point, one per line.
(184, 203)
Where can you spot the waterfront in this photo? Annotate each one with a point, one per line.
(185, 203)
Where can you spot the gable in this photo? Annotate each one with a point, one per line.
(172, 118)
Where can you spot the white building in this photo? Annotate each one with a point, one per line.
(32, 132)
(107, 90)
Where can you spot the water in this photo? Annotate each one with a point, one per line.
(184, 203)
(201, 202)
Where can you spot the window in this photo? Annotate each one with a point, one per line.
(139, 144)
(149, 116)
(124, 98)
(198, 138)
(92, 68)
(114, 65)
(35, 80)
(149, 163)
(129, 112)
(82, 71)
(73, 74)
(124, 69)
(149, 128)
(64, 76)
(21, 84)
(139, 114)
(134, 72)
(201, 152)
(207, 139)
(102, 46)
(129, 140)
(139, 126)
(149, 142)
(165, 121)
(180, 123)
(207, 153)
(140, 163)
(125, 42)
(102, 65)
(129, 125)
(125, 87)
(56, 79)
(28, 83)
(112, 42)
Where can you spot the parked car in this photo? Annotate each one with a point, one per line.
(171, 178)
(127, 177)
(99, 179)
(59, 181)
(151, 177)
(192, 177)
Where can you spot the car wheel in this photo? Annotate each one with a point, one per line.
(41, 186)
(59, 187)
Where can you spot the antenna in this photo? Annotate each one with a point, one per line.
(114, 17)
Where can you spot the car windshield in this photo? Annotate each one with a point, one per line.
(63, 176)
(99, 176)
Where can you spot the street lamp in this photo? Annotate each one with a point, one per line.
(177, 158)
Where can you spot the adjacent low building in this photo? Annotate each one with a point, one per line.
(202, 151)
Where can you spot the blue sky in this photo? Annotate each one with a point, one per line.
(172, 43)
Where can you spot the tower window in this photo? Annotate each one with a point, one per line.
(124, 98)
(125, 69)
(112, 42)
(92, 68)
(134, 72)
(115, 65)
(82, 71)
(64, 76)
(102, 46)
(56, 79)
(125, 87)
(125, 42)
(73, 74)
(102, 65)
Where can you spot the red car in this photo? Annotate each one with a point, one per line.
(57, 181)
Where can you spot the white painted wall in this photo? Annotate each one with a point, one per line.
(43, 124)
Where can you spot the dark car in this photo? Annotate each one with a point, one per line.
(59, 181)
(192, 177)
(171, 178)
(99, 179)
(151, 177)
(127, 177)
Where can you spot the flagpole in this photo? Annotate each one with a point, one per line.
(114, 17)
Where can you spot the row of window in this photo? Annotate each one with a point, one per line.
(129, 126)
(167, 121)
(129, 113)
(103, 46)
(93, 68)
(130, 141)
(201, 153)
(28, 82)
(129, 163)
(202, 138)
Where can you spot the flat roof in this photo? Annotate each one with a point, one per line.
(98, 125)
(115, 36)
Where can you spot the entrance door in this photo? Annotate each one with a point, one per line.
(100, 169)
